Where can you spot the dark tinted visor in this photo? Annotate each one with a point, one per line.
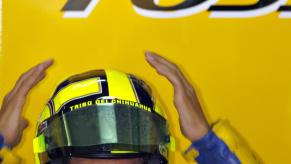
(107, 127)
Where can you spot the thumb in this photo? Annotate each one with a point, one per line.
(23, 124)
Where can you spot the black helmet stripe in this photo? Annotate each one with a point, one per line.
(142, 94)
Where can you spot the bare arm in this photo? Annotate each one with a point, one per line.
(12, 122)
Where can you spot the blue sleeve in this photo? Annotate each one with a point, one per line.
(1, 144)
(212, 150)
(1, 141)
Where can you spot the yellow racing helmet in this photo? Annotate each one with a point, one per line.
(103, 114)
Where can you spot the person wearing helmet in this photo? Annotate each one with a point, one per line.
(102, 114)
(106, 116)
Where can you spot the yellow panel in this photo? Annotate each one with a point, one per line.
(240, 67)
(39, 144)
(115, 80)
(45, 114)
(172, 143)
(159, 110)
(233, 2)
(76, 90)
(168, 2)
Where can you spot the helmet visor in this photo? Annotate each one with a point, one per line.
(121, 127)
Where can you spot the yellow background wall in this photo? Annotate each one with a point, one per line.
(240, 67)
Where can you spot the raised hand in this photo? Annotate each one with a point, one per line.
(193, 123)
(12, 122)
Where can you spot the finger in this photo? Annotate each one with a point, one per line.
(173, 66)
(39, 78)
(22, 78)
(36, 71)
(161, 59)
(30, 83)
(23, 124)
(15, 91)
(24, 84)
(165, 68)
(28, 79)
(159, 62)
